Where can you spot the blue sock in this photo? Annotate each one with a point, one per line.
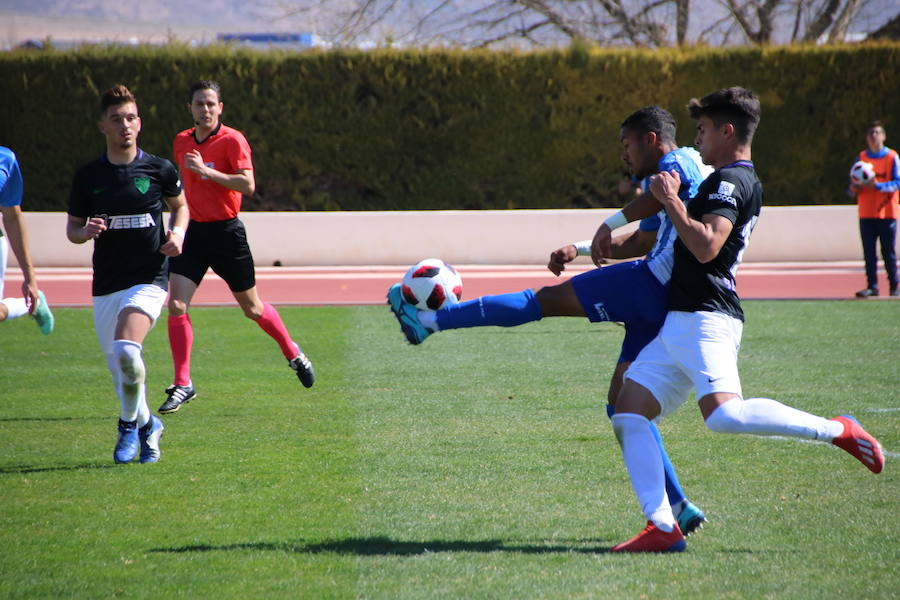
(673, 488)
(505, 310)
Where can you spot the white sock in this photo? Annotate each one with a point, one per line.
(16, 307)
(645, 467)
(131, 374)
(764, 416)
(428, 318)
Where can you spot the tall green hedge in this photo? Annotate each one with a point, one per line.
(449, 129)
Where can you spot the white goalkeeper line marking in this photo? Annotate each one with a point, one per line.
(880, 410)
(803, 441)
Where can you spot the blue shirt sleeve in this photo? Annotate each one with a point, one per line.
(650, 223)
(894, 184)
(11, 185)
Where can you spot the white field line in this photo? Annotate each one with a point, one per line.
(467, 271)
(803, 441)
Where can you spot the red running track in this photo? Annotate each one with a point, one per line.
(368, 285)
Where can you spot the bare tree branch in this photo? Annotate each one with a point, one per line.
(532, 23)
(822, 21)
(839, 31)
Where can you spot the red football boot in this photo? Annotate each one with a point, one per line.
(654, 539)
(857, 441)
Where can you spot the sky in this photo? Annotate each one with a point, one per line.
(201, 20)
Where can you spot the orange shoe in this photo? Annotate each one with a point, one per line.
(857, 441)
(654, 539)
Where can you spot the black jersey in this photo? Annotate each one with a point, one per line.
(734, 192)
(131, 199)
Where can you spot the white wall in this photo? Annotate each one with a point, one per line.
(793, 233)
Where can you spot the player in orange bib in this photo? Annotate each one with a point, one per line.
(878, 210)
(216, 170)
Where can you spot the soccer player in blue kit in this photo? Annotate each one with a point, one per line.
(698, 344)
(32, 301)
(117, 201)
(633, 293)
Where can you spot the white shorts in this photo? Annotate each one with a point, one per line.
(693, 350)
(146, 297)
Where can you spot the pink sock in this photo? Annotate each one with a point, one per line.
(181, 338)
(271, 323)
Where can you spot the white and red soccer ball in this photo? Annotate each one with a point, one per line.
(431, 284)
(862, 172)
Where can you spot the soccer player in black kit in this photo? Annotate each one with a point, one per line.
(117, 201)
(697, 347)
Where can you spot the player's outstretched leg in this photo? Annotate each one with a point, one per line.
(42, 315)
(148, 436)
(407, 315)
(502, 310)
(859, 443)
(764, 416)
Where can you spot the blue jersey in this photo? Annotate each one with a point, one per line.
(634, 292)
(687, 162)
(11, 186)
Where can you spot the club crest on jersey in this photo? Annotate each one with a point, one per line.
(725, 188)
(142, 184)
(724, 193)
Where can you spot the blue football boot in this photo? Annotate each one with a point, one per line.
(42, 315)
(690, 518)
(407, 314)
(149, 436)
(127, 442)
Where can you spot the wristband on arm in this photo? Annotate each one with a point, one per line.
(583, 248)
(617, 220)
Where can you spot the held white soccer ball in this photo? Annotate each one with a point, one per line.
(431, 284)
(862, 172)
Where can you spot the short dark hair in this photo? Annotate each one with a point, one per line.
(117, 95)
(652, 118)
(736, 105)
(874, 124)
(205, 84)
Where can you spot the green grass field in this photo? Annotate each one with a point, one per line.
(478, 465)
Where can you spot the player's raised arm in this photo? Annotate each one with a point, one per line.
(703, 238)
(645, 205)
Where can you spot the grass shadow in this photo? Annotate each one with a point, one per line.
(383, 546)
(49, 419)
(25, 469)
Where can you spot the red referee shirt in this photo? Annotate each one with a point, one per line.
(225, 150)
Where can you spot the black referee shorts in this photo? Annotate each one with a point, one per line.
(218, 245)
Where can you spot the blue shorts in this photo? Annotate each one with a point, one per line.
(628, 293)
